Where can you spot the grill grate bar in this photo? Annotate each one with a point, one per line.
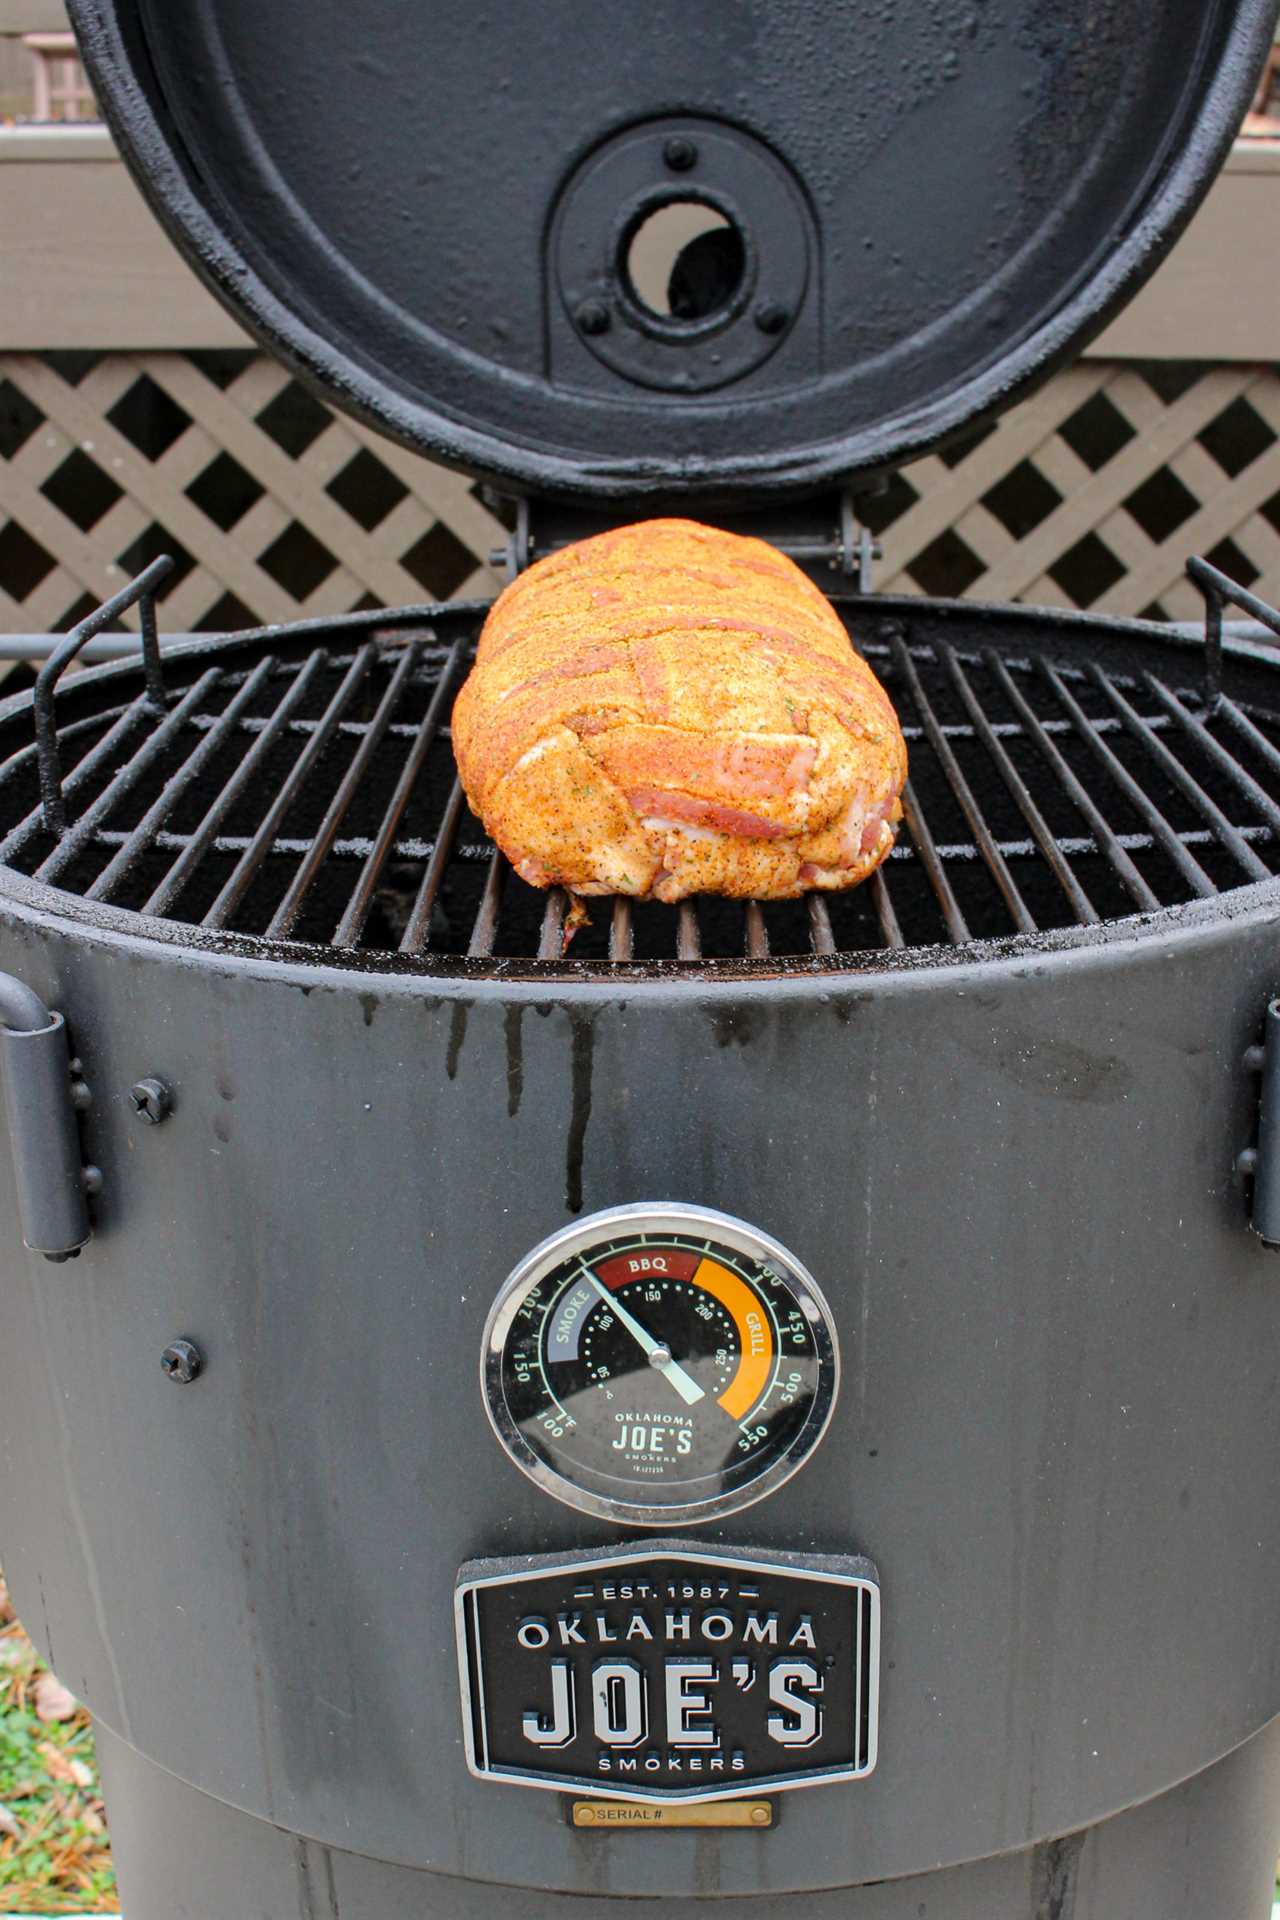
(1186, 784)
(1009, 729)
(1106, 839)
(621, 944)
(205, 835)
(418, 929)
(551, 937)
(286, 914)
(960, 787)
(1240, 778)
(304, 727)
(407, 729)
(918, 827)
(12, 769)
(757, 934)
(1227, 709)
(351, 925)
(77, 837)
(890, 931)
(1081, 905)
(485, 929)
(247, 866)
(358, 847)
(1190, 869)
(821, 937)
(144, 834)
(688, 932)
(81, 774)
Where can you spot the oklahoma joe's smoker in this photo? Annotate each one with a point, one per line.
(828, 1345)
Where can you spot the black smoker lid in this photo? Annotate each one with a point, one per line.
(926, 207)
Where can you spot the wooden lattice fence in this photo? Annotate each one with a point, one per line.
(273, 507)
(1090, 494)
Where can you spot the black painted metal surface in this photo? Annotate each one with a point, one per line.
(428, 210)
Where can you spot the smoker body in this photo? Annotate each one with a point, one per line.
(994, 1102)
(1058, 1406)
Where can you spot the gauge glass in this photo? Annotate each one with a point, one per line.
(659, 1364)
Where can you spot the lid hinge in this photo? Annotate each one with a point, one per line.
(43, 1094)
(822, 536)
(1261, 1162)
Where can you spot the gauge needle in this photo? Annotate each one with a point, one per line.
(685, 1385)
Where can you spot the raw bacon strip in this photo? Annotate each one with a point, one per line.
(714, 767)
(658, 804)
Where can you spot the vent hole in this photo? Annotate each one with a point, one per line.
(685, 261)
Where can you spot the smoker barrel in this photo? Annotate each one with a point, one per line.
(1056, 1382)
(825, 1344)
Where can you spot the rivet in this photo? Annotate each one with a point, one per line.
(680, 153)
(760, 1815)
(593, 317)
(151, 1100)
(771, 317)
(182, 1362)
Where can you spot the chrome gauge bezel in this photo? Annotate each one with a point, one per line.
(658, 1217)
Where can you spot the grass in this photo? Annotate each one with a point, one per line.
(59, 1858)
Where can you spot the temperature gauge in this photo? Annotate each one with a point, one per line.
(659, 1365)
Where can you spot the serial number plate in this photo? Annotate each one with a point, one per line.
(669, 1672)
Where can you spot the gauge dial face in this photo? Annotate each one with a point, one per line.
(660, 1365)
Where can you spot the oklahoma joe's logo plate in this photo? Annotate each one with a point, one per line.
(669, 1672)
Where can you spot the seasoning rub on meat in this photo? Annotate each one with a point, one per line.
(667, 709)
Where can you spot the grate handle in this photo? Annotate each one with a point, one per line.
(1220, 592)
(41, 1096)
(139, 592)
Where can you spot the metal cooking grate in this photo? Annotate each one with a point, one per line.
(310, 796)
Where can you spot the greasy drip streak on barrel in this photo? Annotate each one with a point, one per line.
(582, 1028)
(330, 1886)
(306, 1898)
(515, 1058)
(1054, 1878)
(308, 1909)
(457, 1034)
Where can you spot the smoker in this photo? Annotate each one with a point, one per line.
(484, 1421)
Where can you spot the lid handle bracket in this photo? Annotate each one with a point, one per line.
(1220, 592)
(140, 592)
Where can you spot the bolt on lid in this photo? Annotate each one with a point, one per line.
(621, 251)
